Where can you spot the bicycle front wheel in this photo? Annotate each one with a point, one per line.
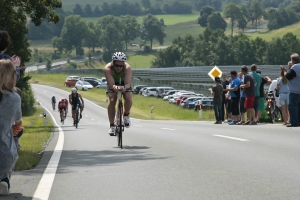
(120, 126)
(76, 119)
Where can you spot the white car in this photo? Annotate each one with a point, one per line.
(83, 85)
(149, 92)
(102, 85)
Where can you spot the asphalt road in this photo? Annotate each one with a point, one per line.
(163, 160)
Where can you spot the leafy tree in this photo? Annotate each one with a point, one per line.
(151, 29)
(97, 12)
(48, 64)
(205, 12)
(73, 33)
(88, 10)
(256, 10)
(92, 38)
(216, 21)
(167, 57)
(233, 12)
(106, 10)
(78, 10)
(130, 28)
(275, 52)
(259, 46)
(111, 38)
(146, 4)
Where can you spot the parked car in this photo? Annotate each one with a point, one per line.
(102, 85)
(71, 81)
(178, 100)
(83, 85)
(149, 92)
(92, 80)
(161, 90)
(207, 103)
(142, 90)
(137, 88)
(185, 103)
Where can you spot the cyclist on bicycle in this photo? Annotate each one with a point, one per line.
(114, 71)
(74, 99)
(53, 101)
(66, 101)
(62, 106)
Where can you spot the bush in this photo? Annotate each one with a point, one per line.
(27, 101)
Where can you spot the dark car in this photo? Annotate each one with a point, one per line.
(94, 83)
(137, 88)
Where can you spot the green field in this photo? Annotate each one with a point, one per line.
(268, 35)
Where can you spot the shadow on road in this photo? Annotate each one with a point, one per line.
(15, 196)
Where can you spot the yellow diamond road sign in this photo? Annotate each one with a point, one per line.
(215, 72)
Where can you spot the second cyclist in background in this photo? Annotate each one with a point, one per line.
(115, 71)
(53, 102)
(74, 99)
(62, 105)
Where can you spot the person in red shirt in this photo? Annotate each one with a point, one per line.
(62, 105)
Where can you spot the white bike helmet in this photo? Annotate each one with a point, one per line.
(120, 56)
(74, 90)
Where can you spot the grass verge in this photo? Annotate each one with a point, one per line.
(33, 140)
(141, 105)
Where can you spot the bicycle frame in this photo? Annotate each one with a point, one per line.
(119, 119)
(76, 115)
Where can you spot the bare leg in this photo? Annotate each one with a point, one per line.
(111, 109)
(128, 102)
(284, 113)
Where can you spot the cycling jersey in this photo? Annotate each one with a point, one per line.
(75, 100)
(118, 76)
(62, 105)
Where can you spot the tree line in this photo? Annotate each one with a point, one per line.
(213, 47)
(109, 32)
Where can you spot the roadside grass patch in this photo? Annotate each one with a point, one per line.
(33, 140)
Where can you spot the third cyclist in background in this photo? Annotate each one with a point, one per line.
(74, 99)
(114, 71)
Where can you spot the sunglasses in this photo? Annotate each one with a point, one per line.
(120, 66)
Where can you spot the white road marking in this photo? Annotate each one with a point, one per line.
(92, 119)
(138, 125)
(43, 189)
(233, 138)
(86, 115)
(170, 129)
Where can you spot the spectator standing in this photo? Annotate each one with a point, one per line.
(234, 90)
(293, 77)
(249, 90)
(283, 89)
(261, 101)
(5, 42)
(217, 92)
(242, 101)
(257, 80)
(224, 100)
(10, 106)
